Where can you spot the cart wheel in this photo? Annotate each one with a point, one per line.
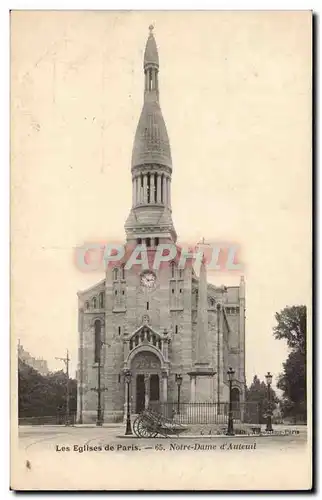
(145, 430)
(135, 426)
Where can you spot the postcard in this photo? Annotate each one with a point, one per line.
(161, 288)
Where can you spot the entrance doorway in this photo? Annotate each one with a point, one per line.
(140, 393)
(154, 388)
(146, 376)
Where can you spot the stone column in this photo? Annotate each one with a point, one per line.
(165, 348)
(147, 390)
(169, 192)
(164, 387)
(165, 201)
(138, 184)
(192, 389)
(136, 190)
(202, 352)
(140, 188)
(152, 189)
(133, 192)
(145, 188)
(158, 188)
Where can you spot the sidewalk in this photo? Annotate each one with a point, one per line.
(107, 426)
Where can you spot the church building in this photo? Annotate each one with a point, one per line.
(156, 323)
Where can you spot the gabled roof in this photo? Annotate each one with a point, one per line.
(91, 288)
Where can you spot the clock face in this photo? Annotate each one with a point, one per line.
(148, 279)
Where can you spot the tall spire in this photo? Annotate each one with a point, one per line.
(150, 217)
(151, 143)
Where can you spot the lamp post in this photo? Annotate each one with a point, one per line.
(99, 389)
(66, 361)
(230, 430)
(269, 378)
(178, 382)
(128, 376)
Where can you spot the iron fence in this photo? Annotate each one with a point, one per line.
(208, 413)
(48, 420)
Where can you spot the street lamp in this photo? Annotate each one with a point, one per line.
(99, 389)
(178, 382)
(230, 430)
(66, 361)
(128, 376)
(269, 378)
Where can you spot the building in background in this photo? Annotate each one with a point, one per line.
(38, 364)
(157, 323)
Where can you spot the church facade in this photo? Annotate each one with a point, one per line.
(157, 323)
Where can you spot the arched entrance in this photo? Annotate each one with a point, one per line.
(146, 380)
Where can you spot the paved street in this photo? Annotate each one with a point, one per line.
(57, 437)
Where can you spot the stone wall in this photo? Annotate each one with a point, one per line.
(124, 313)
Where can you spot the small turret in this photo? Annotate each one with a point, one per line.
(151, 56)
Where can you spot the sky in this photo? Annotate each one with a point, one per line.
(235, 93)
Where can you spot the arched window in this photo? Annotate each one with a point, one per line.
(86, 306)
(176, 329)
(162, 194)
(150, 79)
(123, 272)
(94, 302)
(119, 330)
(97, 347)
(195, 299)
(173, 269)
(115, 273)
(156, 242)
(180, 273)
(148, 242)
(139, 241)
(148, 194)
(101, 300)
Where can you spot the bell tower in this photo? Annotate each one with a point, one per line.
(150, 218)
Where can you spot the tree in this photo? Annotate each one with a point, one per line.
(44, 396)
(291, 326)
(257, 401)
